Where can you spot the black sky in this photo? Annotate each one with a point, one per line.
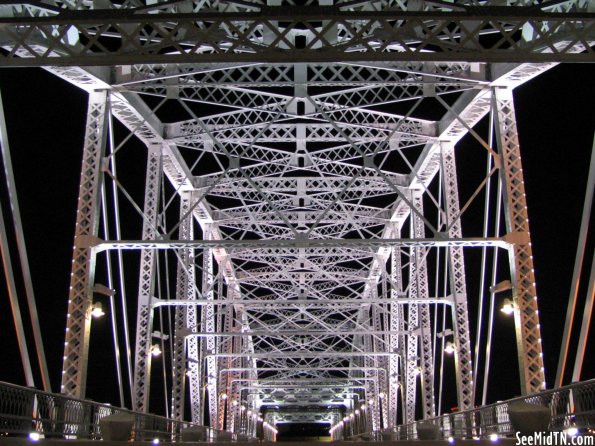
(45, 116)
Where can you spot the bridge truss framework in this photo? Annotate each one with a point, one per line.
(300, 232)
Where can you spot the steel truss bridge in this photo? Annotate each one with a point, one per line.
(301, 238)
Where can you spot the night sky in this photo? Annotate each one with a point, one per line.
(46, 115)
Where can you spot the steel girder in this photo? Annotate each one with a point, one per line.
(521, 259)
(146, 287)
(78, 34)
(80, 299)
(302, 177)
(456, 264)
(185, 316)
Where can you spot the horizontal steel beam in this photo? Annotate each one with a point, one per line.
(299, 369)
(129, 36)
(231, 245)
(298, 355)
(324, 333)
(284, 304)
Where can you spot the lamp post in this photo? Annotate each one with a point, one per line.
(380, 404)
(242, 419)
(224, 402)
(364, 420)
(98, 312)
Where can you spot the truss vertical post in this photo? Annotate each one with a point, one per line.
(396, 341)
(379, 345)
(418, 287)
(411, 361)
(208, 326)
(22, 249)
(373, 394)
(233, 377)
(144, 320)
(224, 411)
(456, 266)
(80, 299)
(184, 291)
(194, 364)
(528, 333)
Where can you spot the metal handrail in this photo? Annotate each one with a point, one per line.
(570, 406)
(24, 410)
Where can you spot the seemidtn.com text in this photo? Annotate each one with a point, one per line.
(553, 439)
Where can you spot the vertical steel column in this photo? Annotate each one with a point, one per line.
(456, 266)
(195, 371)
(144, 316)
(184, 291)
(208, 326)
(396, 341)
(80, 299)
(526, 317)
(14, 304)
(371, 373)
(234, 393)
(418, 288)
(194, 365)
(410, 368)
(576, 279)
(224, 379)
(22, 248)
(379, 345)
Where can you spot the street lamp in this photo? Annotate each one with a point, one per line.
(155, 350)
(507, 307)
(449, 349)
(97, 310)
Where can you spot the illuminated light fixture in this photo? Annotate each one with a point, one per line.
(508, 307)
(381, 395)
(234, 403)
(97, 310)
(155, 440)
(34, 436)
(571, 431)
(363, 407)
(155, 350)
(346, 419)
(243, 408)
(449, 349)
(493, 438)
(224, 396)
(351, 415)
(357, 411)
(451, 440)
(416, 371)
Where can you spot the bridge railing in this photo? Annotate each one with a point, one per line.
(570, 406)
(24, 410)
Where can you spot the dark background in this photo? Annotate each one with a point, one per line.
(46, 116)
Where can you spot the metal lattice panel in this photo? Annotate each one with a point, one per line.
(521, 258)
(165, 34)
(78, 320)
(144, 322)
